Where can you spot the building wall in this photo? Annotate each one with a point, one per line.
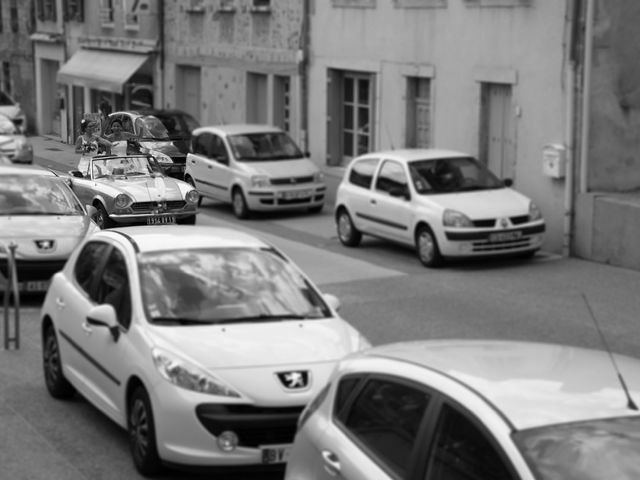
(458, 44)
(226, 46)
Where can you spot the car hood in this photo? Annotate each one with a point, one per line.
(503, 202)
(281, 168)
(163, 146)
(250, 345)
(26, 231)
(145, 189)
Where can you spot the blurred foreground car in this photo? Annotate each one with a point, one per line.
(255, 168)
(132, 189)
(14, 144)
(205, 343)
(39, 214)
(482, 410)
(443, 203)
(10, 108)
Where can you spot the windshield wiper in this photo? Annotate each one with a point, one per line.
(267, 318)
(178, 321)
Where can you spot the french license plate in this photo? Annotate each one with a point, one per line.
(275, 454)
(33, 286)
(161, 220)
(505, 236)
(296, 194)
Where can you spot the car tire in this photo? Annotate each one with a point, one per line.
(348, 234)
(190, 220)
(239, 204)
(192, 182)
(427, 248)
(142, 433)
(102, 217)
(57, 385)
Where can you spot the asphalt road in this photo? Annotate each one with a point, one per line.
(385, 293)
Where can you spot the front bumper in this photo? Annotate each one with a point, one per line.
(481, 242)
(287, 198)
(144, 213)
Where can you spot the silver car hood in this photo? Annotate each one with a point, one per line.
(145, 189)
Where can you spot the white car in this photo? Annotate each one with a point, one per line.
(471, 409)
(443, 203)
(13, 144)
(255, 168)
(204, 343)
(12, 109)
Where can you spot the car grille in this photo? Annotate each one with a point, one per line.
(254, 425)
(491, 222)
(146, 206)
(292, 201)
(292, 180)
(33, 270)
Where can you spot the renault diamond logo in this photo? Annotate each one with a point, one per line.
(295, 380)
(504, 223)
(45, 245)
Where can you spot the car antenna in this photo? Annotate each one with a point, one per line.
(631, 405)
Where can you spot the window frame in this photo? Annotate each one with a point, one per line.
(374, 161)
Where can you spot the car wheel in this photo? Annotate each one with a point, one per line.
(348, 234)
(427, 248)
(142, 433)
(239, 204)
(191, 220)
(102, 217)
(57, 385)
(316, 209)
(192, 182)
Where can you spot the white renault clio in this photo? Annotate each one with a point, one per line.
(205, 343)
(443, 203)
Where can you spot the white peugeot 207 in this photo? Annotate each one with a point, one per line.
(205, 343)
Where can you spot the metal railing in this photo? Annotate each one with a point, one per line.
(11, 335)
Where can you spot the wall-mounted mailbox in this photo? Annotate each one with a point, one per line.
(553, 161)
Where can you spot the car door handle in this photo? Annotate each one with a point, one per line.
(193, 161)
(331, 462)
(60, 303)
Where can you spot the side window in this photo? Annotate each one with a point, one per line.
(218, 149)
(362, 172)
(385, 417)
(345, 388)
(201, 144)
(88, 263)
(392, 177)
(461, 450)
(113, 287)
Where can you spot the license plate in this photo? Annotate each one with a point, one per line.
(505, 236)
(33, 286)
(275, 454)
(161, 220)
(296, 194)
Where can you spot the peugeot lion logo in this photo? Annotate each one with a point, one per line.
(45, 245)
(294, 380)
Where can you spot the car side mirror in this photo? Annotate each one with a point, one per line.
(91, 210)
(400, 192)
(507, 182)
(76, 173)
(221, 159)
(332, 301)
(105, 316)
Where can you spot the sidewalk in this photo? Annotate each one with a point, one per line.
(53, 153)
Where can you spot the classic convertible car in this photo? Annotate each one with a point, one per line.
(132, 189)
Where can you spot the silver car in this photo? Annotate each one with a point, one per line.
(467, 409)
(132, 189)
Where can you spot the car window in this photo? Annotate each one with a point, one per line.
(113, 287)
(37, 195)
(385, 418)
(344, 390)
(202, 144)
(392, 177)
(264, 146)
(88, 263)
(218, 149)
(461, 451)
(361, 173)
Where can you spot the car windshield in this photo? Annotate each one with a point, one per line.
(37, 195)
(447, 175)
(178, 125)
(125, 166)
(264, 146)
(593, 450)
(225, 285)
(151, 128)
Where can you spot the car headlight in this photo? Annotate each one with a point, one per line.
(162, 157)
(453, 218)
(534, 212)
(188, 376)
(260, 181)
(123, 200)
(318, 177)
(192, 196)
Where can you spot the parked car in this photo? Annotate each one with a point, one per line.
(14, 144)
(10, 108)
(463, 409)
(205, 343)
(132, 189)
(254, 168)
(44, 219)
(152, 137)
(179, 125)
(443, 203)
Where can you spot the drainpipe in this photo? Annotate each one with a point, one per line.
(161, 46)
(303, 65)
(586, 100)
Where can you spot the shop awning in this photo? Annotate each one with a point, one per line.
(100, 70)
